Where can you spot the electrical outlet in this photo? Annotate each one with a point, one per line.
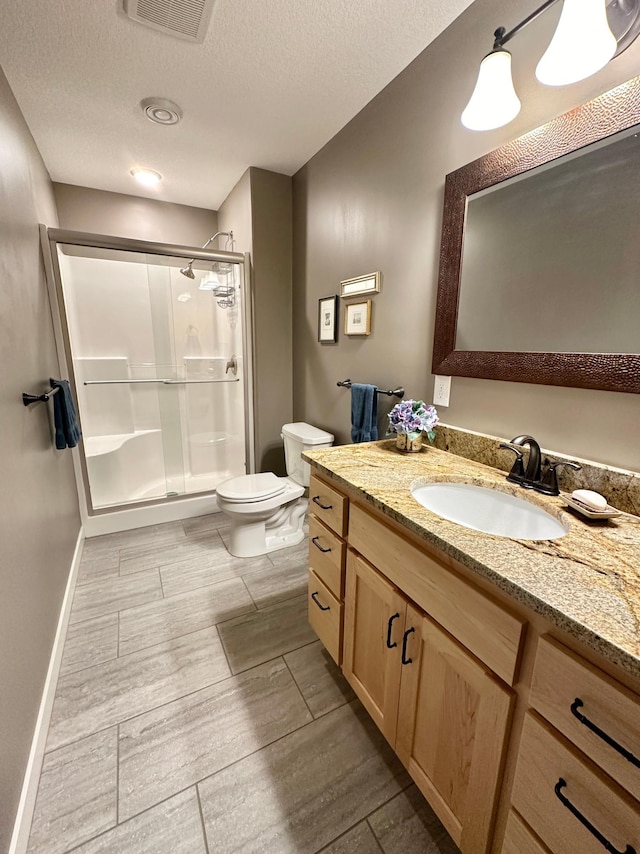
(441, 391)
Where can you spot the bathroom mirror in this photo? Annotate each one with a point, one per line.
(540, 261)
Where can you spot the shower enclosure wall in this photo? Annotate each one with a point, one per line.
(160, 365)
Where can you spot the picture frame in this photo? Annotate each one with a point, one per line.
(357, 318)
(369, 284)
(328, 319)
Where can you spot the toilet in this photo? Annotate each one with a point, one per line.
(267, 512)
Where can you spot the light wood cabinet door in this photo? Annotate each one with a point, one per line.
(453, 723)
(373, 632)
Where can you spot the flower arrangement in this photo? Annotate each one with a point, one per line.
(413, 417)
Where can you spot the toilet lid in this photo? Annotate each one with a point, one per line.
(251, 487)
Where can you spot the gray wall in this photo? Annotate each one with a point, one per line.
(39, 518)
(371, 199)
(258, 210)
(101, 212)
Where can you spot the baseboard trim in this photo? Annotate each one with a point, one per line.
(26, 805)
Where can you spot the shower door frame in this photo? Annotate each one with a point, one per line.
(50, 238)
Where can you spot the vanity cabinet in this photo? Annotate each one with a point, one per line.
(445, 714)
(327, 552)
(519, 744)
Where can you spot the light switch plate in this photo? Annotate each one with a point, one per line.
(441, 391)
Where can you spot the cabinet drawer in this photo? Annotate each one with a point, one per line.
(329, 505)
(518, 838)
(326, 556)
(598, 714)
(566, 800)
(479, 623)
(325, 616)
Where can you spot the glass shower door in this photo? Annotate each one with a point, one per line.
(159, 373)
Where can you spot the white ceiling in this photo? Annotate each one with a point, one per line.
(273, 81)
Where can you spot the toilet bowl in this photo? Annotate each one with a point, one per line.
(267, 512)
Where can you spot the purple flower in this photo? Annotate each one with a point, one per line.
(413, 416)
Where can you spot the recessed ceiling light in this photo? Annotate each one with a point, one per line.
(161, 111)
(147, 177)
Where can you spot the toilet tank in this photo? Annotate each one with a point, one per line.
(299, 437)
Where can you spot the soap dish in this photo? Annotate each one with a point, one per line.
(608, 513)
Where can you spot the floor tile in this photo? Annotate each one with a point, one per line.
(408, 825)
(156, 534)
(90, 642)
(198, 572)
(303, 791)
(319, 678)
(113, 594)
(149, 556)
(202, 524)
(77, 794)
(265, 634)
(178, 615)
(358, 840)
(173, 827)
(268, 586)
(109, 693)
(96, 566)
(168, 749)
(293, 556)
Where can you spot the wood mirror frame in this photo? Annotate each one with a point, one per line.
(615, 111)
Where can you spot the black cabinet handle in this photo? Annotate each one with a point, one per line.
(316, 500)
(564, 800)
(405, 637)
(322, 607)
(577, 704)
(389, 628)
(318, 546)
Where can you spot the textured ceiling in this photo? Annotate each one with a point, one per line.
(273, 81)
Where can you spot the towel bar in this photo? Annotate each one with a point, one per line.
(28, 399)
(393, 392)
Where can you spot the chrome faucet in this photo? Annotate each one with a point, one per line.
(533, 477)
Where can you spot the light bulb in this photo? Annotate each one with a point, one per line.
(494, 101)
(582, 44)
(147, 177)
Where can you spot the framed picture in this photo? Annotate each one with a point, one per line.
(327, 320)
(357, 318)
(369, 284)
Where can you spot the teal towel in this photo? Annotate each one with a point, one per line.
(364, 412)
(68, 432)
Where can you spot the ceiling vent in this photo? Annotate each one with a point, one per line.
(184, 19)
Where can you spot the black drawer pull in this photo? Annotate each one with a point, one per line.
(389, 628)
(322, 607)
(577, 704)
(564, 800)
(316, 500)
(405, 638)
(316, 544)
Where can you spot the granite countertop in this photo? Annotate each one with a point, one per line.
(586, 582)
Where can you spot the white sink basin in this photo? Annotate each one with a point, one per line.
(489, 510)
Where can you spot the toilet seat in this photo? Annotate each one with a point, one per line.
(250, 488)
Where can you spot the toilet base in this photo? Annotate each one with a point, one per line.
(260, 537)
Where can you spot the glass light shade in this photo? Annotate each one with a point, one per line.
(147, 177)
(494, 101)
(582, 44)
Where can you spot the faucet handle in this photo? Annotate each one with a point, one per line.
(516, 475)
(549, 482)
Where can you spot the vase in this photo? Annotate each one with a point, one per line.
(409, 442)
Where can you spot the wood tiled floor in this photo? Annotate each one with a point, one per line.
(196, 712)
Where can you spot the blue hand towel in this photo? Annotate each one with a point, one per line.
(364, 413)
(64, 415)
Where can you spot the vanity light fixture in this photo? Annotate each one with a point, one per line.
(582, 44)
(146, 177)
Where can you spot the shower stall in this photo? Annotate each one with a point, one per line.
(158, 347)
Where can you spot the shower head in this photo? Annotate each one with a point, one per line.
(188, 271)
